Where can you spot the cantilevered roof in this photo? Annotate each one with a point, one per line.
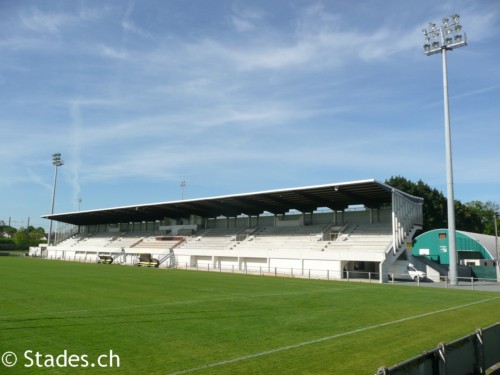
(338, 196)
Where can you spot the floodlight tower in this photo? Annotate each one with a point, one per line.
(57, 162)
(439, 39)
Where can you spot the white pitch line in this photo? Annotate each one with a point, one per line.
(305, 343)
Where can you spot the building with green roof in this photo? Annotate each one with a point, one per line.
(478, 251)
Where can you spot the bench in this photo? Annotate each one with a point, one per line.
(145, 260)
(105, 259)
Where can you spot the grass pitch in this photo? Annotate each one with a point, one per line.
(187, 322)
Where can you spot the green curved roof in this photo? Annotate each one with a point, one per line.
(434, 245)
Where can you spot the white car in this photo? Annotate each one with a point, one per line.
(404, 270)
(416, 274)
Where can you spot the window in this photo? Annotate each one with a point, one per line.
(442, 235)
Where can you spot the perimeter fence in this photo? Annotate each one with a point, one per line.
(477, 353)
(471, 283)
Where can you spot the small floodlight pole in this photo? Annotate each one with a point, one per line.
(183, 186)
(495, 218)
(440, 39)
(57, 162)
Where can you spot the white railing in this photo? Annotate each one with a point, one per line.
(405, 215)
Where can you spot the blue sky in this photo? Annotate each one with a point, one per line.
(237, 96)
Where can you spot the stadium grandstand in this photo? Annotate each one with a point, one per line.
(335, 231)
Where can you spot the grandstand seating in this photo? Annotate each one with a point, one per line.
(237, 246)
(212, 239)
(364, 237)
(159, 242)
(103, 240)
(311, 237)
(284, 238)
(368, 237)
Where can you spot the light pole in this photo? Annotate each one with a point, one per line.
(495, 218)
(439, 39)
(57, 162)
(183, 186)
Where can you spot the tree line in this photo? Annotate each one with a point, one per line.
(25, 237)
(474, 216)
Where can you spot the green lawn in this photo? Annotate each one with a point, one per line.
(174, 321)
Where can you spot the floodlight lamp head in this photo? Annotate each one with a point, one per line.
(56, 160)
(446, 36)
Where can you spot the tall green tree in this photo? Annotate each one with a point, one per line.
(30, 236)
(7, 229)
(435, 204)
(470, 217)
(486, 211)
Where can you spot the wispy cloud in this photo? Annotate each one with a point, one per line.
(316, 42)
(245, 18)
(38, 180)
(129, 26)
(39, 21)
(113, 53)
(480, 91)
(52, 22)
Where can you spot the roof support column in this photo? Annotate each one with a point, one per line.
(393, 214)
(250, 221)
